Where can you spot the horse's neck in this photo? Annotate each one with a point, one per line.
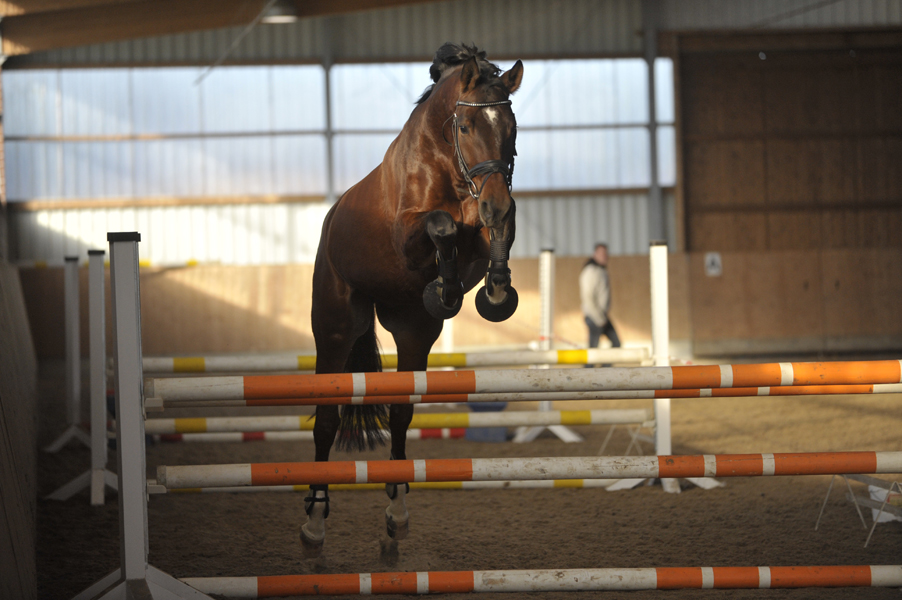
(421, 142)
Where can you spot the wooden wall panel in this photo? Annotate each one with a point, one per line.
(880, 228)
(811, 92)
(862, 293)
(228, 309)
(730, 231)
(793, 230)
(839, 229)
(880, 88)
(827, 128)
(803, 301)
(760, 297)
(18, 443)
(800, 301)
(811, 173)
(724, 174)
(710, 107)
(880, 172)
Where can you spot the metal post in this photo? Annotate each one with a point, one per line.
(331, 195)
(73, 359)
(655, 202)
(135, 578)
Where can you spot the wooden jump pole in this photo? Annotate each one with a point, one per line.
(552, 580)
(488, 469)
(256, 363)
(798, 390)
(360, 385)
(523, 484)
(446, 433)
(419, 421)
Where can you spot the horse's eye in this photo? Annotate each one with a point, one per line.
(463, 129)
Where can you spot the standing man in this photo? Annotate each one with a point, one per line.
(595, 297)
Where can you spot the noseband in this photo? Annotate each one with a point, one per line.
(486, 167)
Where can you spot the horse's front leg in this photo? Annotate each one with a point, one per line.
(429, 234)
(444, 296)
(414, 332)
(497, 299)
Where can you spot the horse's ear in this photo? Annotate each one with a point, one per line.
(469, 75)
(511, 79)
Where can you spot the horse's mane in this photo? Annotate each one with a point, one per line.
(450, 55)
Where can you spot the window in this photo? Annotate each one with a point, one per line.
(254, 130)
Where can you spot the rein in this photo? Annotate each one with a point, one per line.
(486, 167)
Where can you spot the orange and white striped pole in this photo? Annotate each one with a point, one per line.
(417, 383)
(489, 469)
(525, 484)
(445, 433)
(552, 580)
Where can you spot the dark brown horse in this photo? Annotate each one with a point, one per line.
(406, 243)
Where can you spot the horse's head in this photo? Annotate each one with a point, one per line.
(485, 135)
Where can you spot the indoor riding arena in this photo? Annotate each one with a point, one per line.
(535, 299)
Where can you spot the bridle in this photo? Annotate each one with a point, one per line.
(486, 167)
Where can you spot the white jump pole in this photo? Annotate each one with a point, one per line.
(73, 360)
(135, 578)
(98, 477)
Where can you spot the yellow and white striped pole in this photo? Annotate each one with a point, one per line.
(420, 421)
(295, 362)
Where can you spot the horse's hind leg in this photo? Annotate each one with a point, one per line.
(316, 504)
(339, 318)
(414, 332)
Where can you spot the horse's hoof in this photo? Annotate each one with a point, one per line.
(311, 547)
(432, 300)
(496, 312)
(396, 530)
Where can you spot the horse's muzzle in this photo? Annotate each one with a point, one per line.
(494, 210)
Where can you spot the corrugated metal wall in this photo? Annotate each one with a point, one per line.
(289, 233)
(505, 28)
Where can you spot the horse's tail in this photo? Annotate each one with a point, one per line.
(363, 425)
